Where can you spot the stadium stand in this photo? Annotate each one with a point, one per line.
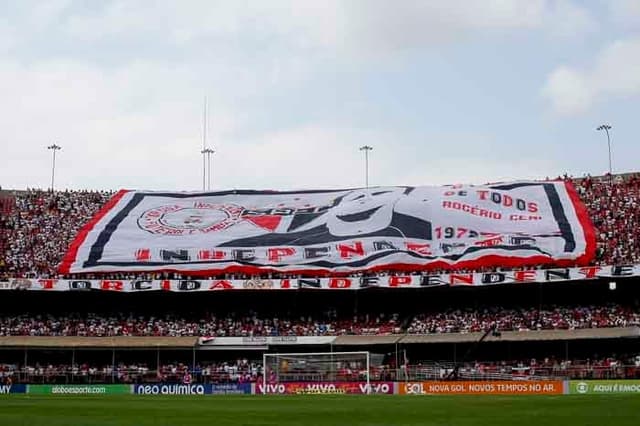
(232, 371)
(450, 321)
(615, 214)
(550, 367)
(40, 227)
(546, 318)
(544, 331)
(42, 224)
(92, 325)
(243, 370)
(7, 204)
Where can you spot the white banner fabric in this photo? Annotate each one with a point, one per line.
(401, 281)
(381, 228)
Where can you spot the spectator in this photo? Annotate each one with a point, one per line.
(252, 325)
(36, 227)
(249, 325)
(551, 318)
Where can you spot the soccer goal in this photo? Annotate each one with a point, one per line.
(322, 368)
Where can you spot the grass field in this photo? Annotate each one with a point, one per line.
(319, 410)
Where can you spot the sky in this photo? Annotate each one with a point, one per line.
(452, 91)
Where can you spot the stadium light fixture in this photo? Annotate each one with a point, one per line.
(606, 128)
(204, 169)
(208, 152)
(53, 148)
(366, 149)
(204, 144)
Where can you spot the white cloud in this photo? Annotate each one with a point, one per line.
(568, 20)
(569, 91)
(384, 25)
(363, 27)
(625, 13)
(118, 129)
(614, 73)
(8, 37)
(119, 85)
(129, 128)
(306, 156)
(114, 126)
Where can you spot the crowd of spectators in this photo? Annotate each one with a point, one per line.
(614, 208)
(37, 226)
(552, 318)
(243, 370)
(240, 370)
(609, 367)
(252, 325)
(93, 325)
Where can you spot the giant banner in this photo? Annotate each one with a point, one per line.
(408, 281)
(404, 228)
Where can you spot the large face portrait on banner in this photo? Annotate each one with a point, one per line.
(399, 227)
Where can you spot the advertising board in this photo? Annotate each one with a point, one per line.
(583, 387)
(482, 388)
(193, 389)
(227, 389)
(296, 388)
(7, 389)
(170, 389)
(79, 389)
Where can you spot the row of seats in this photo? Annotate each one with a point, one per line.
(250, 325)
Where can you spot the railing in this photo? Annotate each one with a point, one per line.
(120, 376)
(498, 372)
(435, 372)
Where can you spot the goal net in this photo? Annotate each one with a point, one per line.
(320, 372)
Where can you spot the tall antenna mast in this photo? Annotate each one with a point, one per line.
(204, 143)
(204, 124)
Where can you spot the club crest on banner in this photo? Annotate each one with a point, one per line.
(190, 218)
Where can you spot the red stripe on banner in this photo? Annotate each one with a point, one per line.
(70, 257)
(587, 225)
(476, 265)
(266, 222)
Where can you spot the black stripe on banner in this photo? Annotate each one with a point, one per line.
(556, 209)
(98, 247)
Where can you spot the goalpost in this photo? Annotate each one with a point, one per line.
(316, 367)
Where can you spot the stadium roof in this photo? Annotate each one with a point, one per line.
(522, 336)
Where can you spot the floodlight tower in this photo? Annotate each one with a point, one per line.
(606, 128)
(204, 143)
(53, 148)
(366, 149)
(209, 152)
(206, 151)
